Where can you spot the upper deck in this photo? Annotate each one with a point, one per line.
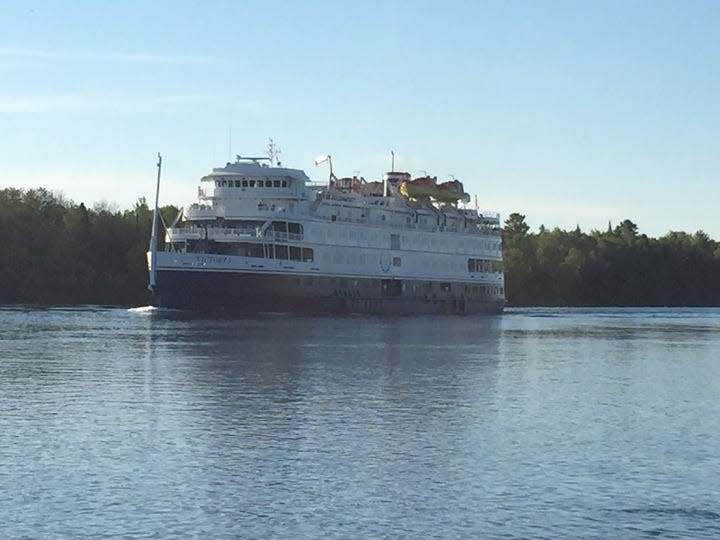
(253, 170)
(251, 190)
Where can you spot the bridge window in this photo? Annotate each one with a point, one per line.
(276, 183)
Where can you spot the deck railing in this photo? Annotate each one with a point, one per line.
(228, 233)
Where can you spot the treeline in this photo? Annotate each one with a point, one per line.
(618, 267)
(53, 251)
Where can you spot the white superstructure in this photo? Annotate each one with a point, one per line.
(264, 238)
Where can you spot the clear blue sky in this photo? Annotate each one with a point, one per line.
(568, 112)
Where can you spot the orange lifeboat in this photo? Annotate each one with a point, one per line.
(451, 191)
(420, 188)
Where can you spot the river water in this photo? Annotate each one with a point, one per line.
(540, 423)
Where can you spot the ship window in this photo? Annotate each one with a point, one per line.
(397, 261)
(249, 250)
(307, 255)
(260, 183)
(284, 183)
(252, 183)
(391, 287)
(472, 267)
(333, 218)
(445, 287)
(224, 183)
(394, 241)
(217, 183)
(295, 228)
(244, 183)
(276, 183)
(281, 252)
(295, 253)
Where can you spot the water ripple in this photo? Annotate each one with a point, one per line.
(539, 424)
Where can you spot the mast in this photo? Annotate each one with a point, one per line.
(385, 176)
(153, 236)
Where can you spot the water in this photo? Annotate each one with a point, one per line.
(541, 423)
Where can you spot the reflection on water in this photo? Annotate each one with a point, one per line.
(538, 423)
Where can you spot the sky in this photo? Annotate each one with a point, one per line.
(571, 113)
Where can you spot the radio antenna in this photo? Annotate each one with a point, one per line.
(273, 152)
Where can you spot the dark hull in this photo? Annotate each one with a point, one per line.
(241, 293)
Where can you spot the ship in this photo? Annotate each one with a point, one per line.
(263, 238)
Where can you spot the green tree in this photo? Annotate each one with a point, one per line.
(515, 225)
